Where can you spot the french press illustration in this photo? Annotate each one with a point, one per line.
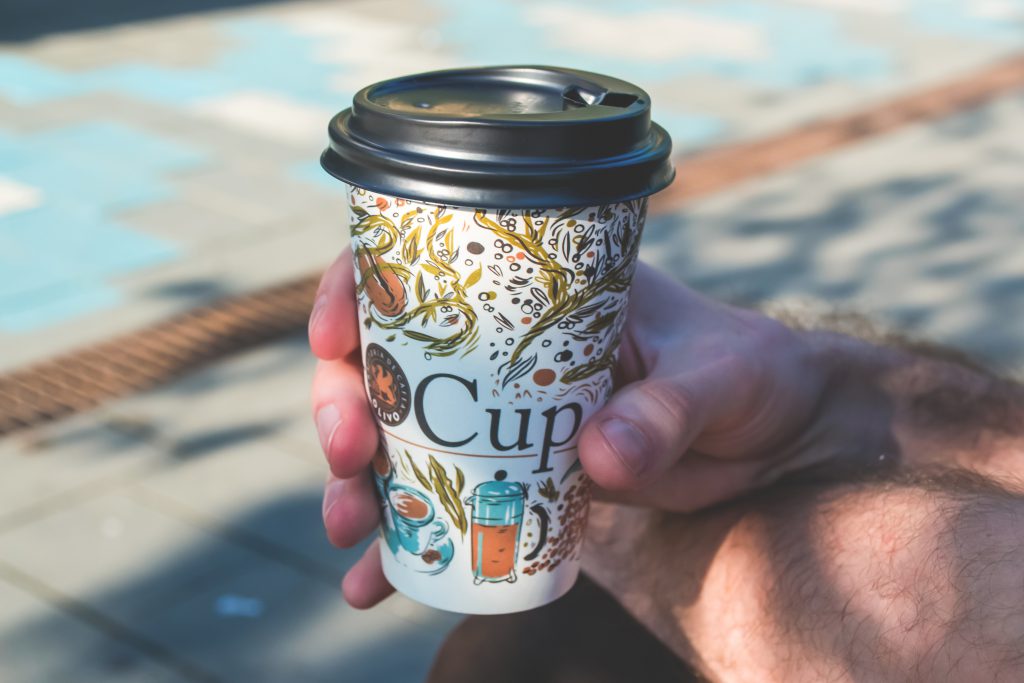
(497, 522)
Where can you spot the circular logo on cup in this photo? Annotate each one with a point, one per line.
(390, 395)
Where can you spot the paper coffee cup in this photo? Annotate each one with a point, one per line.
(489, 329)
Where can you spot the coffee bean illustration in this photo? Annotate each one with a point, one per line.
(383, 287)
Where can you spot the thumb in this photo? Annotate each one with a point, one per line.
(648, 425)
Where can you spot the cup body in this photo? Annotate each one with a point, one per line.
(488, 338)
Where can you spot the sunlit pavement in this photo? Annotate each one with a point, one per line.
(150, 166)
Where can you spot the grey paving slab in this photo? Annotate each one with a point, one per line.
(157, 43)
(83, 653)
(251, 396)
(252, 196)
(194, 227)
(300, 439)
(256, 490)
(62, 462)
(302, 632)
(118, 556)
(219, 606)
(919, 227)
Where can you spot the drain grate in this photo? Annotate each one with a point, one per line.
(152, 356)
(83, 379)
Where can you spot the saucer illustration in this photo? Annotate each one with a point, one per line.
(433, 560)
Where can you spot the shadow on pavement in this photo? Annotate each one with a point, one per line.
(928, 254)
(223, 612)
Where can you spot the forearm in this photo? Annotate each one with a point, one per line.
(912, 581)
(910, 406)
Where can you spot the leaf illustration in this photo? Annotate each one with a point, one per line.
(474, 277)
(518, 369)
(448, 494)
(404, 465)
(600, 323)
(502, 320)
(421, 289)
(543, 229)
(358, 211)
(419, 475)
(407, 219)
(460, 481)
(418, 336)
(449, 241)
(411, 248)
(548, 490)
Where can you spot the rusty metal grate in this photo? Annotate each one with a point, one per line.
(83, 379)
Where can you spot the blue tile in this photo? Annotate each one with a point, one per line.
(58, 259)
(55, 304)
(26, 82)
(965, 19)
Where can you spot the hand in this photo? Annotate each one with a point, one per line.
(714, 401)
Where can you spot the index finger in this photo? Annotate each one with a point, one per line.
(333, 323)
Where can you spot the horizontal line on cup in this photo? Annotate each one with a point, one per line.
(428, 447)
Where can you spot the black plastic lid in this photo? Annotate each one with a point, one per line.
(502, 137)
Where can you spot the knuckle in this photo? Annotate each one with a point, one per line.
(741, 366)
(670, 400)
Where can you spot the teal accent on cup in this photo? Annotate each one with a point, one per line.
(415, 535)
(387, 522)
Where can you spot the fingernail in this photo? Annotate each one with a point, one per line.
(319, 306)
(332, 492)
(328, 419)
(628, 442)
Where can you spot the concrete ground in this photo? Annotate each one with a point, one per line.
(152, 162)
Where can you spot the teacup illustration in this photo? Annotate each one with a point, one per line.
(418, 532)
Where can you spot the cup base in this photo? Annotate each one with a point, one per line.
(410, 585)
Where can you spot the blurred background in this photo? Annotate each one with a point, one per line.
(163, 222)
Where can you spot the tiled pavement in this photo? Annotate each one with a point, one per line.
(147, 167)
(175, 536)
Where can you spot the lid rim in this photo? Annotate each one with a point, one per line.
(544, 139)
(657, 138)
(494, 198)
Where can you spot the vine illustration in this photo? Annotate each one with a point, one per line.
(560, 269)
(385, 283)
(609, 273)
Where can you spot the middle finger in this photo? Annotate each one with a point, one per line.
(350, 509)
